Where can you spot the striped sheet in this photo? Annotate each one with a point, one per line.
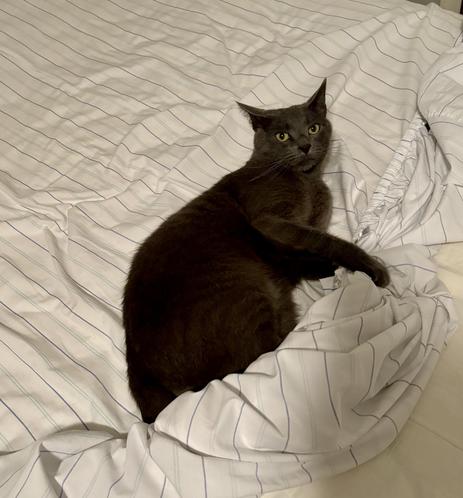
(113, 114)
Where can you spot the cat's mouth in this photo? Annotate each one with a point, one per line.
(308, 165)
(310, 161)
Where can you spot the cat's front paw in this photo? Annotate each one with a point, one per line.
(378, 272)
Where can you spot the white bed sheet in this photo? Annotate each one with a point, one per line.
(427, 457)
(112, 116)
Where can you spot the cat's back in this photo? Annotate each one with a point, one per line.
(207, 227)
(193, 256)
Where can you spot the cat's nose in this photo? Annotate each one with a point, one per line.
(305, 148)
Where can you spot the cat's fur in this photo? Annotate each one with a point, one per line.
(210, 290)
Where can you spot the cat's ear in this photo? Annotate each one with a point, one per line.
(259, 118)
(317, 101)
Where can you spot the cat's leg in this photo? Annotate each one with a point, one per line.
(298, 237)
(308, 266)
(287, 316)
(319, 267)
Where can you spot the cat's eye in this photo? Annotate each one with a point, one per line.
(282, 136)
(314, 129)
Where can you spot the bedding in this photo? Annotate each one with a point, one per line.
(426, 459)
(113, 115)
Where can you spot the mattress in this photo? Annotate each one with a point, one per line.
(113, 115)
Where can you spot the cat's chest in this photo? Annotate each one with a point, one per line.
(317, 205)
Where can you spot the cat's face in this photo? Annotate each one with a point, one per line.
(295, 137)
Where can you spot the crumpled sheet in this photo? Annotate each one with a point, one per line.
(341, 386)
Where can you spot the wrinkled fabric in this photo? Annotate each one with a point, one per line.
(113, 116)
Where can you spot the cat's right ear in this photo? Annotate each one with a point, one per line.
(258, 117)
(317, 101)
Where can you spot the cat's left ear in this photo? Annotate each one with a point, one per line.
(259, 117)
(317, 101)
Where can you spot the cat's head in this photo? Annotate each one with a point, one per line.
(295, 137)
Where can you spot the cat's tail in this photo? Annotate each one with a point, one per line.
(150, 395)
(154, 399)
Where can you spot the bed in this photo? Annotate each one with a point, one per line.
(113, 115)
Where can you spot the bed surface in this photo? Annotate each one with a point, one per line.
(113, 115)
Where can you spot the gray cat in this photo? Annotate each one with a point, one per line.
(210, 290)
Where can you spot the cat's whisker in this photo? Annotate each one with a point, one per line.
(277, 173)
(273, 167)
(278, 165)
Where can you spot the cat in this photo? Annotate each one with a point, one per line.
(211, 289)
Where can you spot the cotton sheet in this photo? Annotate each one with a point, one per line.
(114, 115)
(427, 458)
